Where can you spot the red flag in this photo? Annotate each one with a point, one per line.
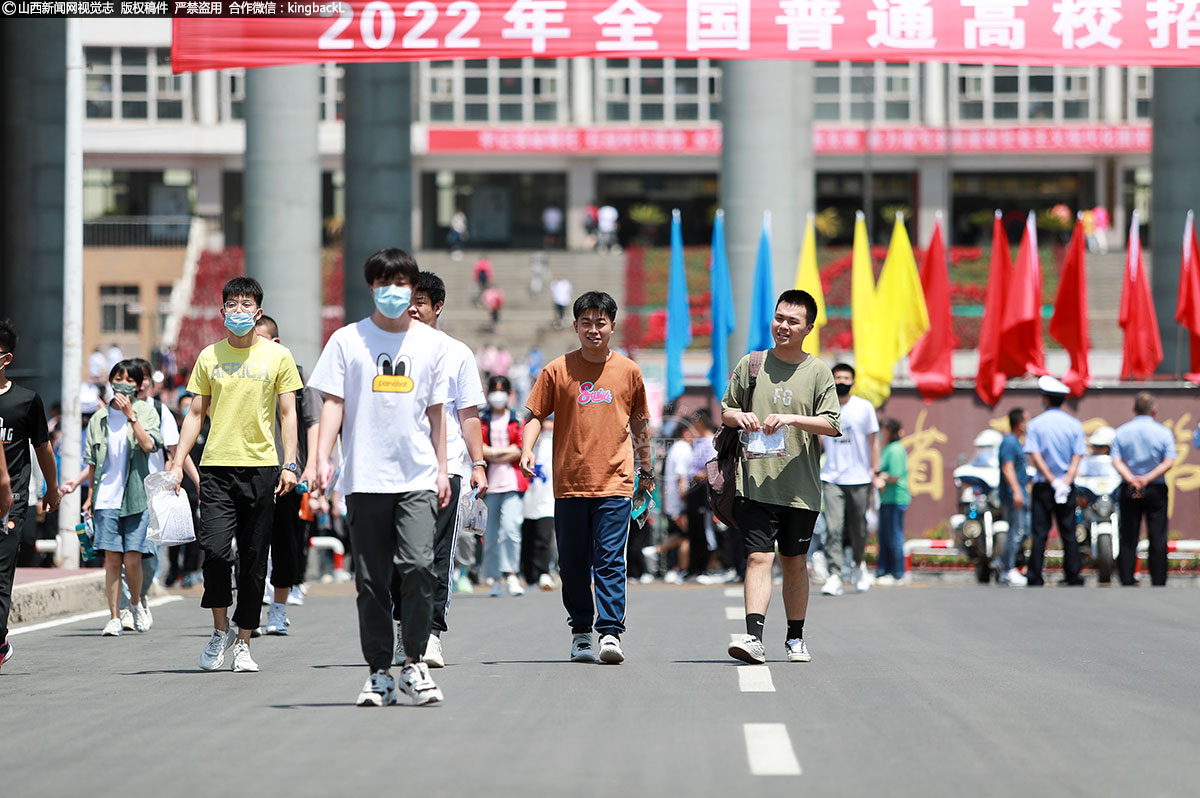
(1069, 324)
(989, 381)
(1021, 350)
(1187, 306)
(930, 362)
(1142, 351)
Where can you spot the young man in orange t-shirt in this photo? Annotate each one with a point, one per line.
(600, 418)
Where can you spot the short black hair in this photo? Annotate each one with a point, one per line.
(498, 382)
(1055, 399)
(432, 286)
(242, 286)
(893, 427)
(387, 264)
(596, 300)
(130, 369)
(1015, 417)
(843, 367)
(144, 365)
(795, 296)
(8, 336)
(269, 323)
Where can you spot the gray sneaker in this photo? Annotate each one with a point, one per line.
(748, 649)
(418, 686)
(797, 651)
(213, 656)
(581, 647)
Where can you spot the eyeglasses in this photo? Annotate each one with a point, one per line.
(248, 305)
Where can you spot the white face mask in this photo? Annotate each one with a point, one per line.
(497, 399)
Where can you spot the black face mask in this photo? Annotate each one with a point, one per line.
(842, 388)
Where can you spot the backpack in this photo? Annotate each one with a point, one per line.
(722, 469)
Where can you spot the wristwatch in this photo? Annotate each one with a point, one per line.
(295, 469)
(645, 473)
(479, 464)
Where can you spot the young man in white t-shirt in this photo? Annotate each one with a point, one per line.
(463, 392)
(382, 380)
(851, 463)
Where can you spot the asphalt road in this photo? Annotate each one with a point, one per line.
(937, 690)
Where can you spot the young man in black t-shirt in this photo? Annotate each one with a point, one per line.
(22, 424)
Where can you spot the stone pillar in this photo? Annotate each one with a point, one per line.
(1176, 118)
(582, 91)
(581, 192)
(933, 197)
(207, 97)
(32, 183)
(766, 165)
(283, 202)
(933, 94)
(379, 178)
(1114, 110)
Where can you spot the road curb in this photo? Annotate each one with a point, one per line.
(49, 598)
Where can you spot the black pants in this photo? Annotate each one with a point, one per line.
(639, 538)
(287, 564)
(392, 534)
(443, 562)
(236, 504)
(1043, 509)
(697, 509)
(1152, 506)
(10, 542)
(537, 547)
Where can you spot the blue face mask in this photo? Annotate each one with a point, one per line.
(392, 300)
(239, 323)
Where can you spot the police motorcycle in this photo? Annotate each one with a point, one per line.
(1096, 518)
(979, 534)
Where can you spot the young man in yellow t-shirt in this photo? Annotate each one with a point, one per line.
(238, 382)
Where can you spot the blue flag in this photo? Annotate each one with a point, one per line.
(679, 317)
(762, 303)
(724, 318)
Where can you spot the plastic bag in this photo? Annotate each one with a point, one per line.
(472, 513)
(759, 444)
(170, 512)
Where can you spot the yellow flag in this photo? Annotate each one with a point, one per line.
(863, 320)
(808, 278)
(901, 317)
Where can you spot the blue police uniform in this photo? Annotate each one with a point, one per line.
(1058, 437)
(1142, 444)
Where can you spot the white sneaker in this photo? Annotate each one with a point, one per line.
(416, 684)
(112, 628)
(887, 580)
(398, 656)
(546, 582)
(277, 619)
(820, 566)
(748, 649)
(1014, 578)
(213, 656)
(146, 616)
(862, 581)
(433, 653)
(646, 578)
(139, 619)
(242, 661)
(379, 690)
(673, 577)
(797, 651)
(833, 586)
(650, 555)
(268, 594)
(126, 616)
(513, 583)
(610, 650)
(497, 589)
(581, 647)
(296, 597)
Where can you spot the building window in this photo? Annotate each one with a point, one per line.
(1080, 100)
(657, 90)
(98, 87)
(864, 93)
(490, 90)
(233, 94)
(1006, 94)
(169, 89)
(164, 309)
(1138, 92)
(119, 309)
(135, 83)
(333, 92)
(1039, 94)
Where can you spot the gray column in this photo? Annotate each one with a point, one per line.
(32, 143)
(582, 95)
(766, 164)
(283, 202)
(581, 192)
(378, 163)
(933, 196)
(1176, 118)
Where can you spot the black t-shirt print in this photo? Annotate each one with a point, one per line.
(22, 422)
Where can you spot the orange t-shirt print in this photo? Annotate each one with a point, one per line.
(592, 404)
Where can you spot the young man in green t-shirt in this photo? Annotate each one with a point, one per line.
(238, 381)
(779, 497)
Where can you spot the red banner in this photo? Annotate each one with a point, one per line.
(826, 140)
(1081, 32)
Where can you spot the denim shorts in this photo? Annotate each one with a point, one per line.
(122, 534)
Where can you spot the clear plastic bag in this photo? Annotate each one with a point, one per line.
(757, 445)
(472, 513)
(170, 512)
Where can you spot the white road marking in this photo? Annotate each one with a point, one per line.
(735, 614)
(733, 592)
(87, 616)
(755, 679)
(769, 750)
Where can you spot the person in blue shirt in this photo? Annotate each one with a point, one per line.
(1143, 451)
(1055, 444)
(1014, 497)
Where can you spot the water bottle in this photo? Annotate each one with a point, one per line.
(306, 513)
(86, 533)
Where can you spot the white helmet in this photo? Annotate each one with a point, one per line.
(989, 437)
(1103, 436)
